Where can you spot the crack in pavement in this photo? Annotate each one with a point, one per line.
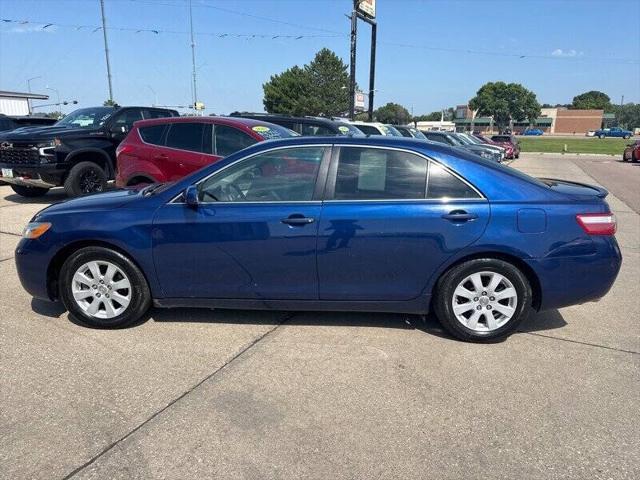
(10, 233)
(580, 342)
(177, 399)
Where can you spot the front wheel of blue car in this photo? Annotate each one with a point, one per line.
(103, 288)
(482, 299)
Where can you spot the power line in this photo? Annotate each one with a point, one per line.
(157, 31)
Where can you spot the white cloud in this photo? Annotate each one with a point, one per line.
(558, 52)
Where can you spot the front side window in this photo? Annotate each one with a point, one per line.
(186, 136)
(284, 175)
(229, 140)
(124, 121)
(377, 174)
(444, 185)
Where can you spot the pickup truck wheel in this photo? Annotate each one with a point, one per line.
(29, 192)
(85, 178)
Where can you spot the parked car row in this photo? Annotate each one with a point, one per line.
(632, 152)
(141, 145)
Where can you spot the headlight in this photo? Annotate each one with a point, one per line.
(35, 230)
(485, 154)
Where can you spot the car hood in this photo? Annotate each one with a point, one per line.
(97, 201)
(36, 134)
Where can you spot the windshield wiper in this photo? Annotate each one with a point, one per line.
(147, 191)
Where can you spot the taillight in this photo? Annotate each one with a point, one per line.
(598, 223)
(124, 149)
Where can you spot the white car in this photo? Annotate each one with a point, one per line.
(591, 133)
(376, 128)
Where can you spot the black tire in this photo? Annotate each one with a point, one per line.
(29, 192)
(601, 136)
(140, 293)
(444, 295)
(634, 159)
(627, 137)
(85, 178)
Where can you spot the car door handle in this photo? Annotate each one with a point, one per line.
(459, 216)
(297, 220)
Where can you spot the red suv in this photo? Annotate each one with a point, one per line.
(509, 142)
(166, 149)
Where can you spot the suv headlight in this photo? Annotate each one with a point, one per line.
(47, 149)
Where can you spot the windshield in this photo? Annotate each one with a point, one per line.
(417, 134)
(463, 139)
(393, 131)
(87, 117)
(454, 140)
(472, 140)
(271, 131)
(348, 129)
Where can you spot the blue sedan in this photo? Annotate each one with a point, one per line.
(351, 224)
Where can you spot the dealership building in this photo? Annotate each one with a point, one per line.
(18, 103)
(560, 121)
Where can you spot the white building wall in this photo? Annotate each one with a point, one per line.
(14, 106)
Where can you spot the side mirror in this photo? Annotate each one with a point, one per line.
(119, 129)
(191, 196)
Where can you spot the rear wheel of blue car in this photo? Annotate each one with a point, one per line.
(103, 288)
(482, 299)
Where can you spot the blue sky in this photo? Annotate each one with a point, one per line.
(569, 47)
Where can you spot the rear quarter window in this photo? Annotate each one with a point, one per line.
(153, 134)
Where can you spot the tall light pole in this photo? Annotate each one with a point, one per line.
(54, 90)
(194, 93)
(29, 90)
(106, 49)
(155, 96)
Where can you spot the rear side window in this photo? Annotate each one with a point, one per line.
(443, 184)
(186, 136)
(373, 174)
(229, 140)
(154, 113)
(310, 130)
(153, 134)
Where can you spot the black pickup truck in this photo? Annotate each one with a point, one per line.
(78, 152)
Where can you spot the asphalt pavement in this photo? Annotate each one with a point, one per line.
(254, 395)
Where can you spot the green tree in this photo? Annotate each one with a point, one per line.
(628, 115)
(392, 113)
(592, 100)
(431, 117)
(505, 102)
(54, 114)
(288, 92)
(319, 88)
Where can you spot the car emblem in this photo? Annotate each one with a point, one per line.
(6, 145)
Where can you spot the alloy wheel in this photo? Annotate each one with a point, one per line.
(101, 289)
(484, 301)
(90, 182)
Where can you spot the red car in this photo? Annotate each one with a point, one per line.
(167, 149)
(632, 152)
(510, 143)
(508, 148)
